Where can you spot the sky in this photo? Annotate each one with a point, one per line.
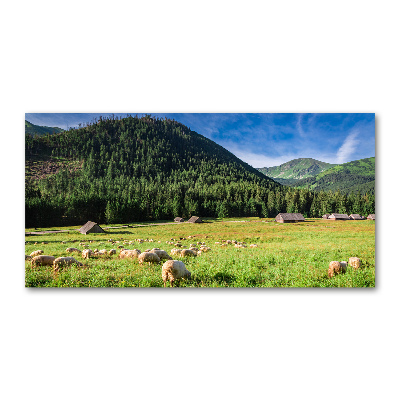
(263, 140)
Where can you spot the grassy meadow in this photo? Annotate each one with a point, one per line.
(287, 255)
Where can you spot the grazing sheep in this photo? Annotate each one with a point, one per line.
(112, 251)
(36, 253)
(129, 253)
(27, 257)
(148, 257)
(188, 253)
(355, 262)
(120, 246)
(72, 249)
(61, 262)
(86, 253)
(336, 267)
(253, 245)
(162, 254)
(174, 270)
(194, 249)
(102, 252)
(175, 252)
(178, 244)
(42, 260)
(204, 249)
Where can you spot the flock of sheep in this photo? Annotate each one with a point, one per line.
(172, 270)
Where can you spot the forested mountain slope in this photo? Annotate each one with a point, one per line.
(296, 169)
(121, 170)
(352, 177)
(32, 129)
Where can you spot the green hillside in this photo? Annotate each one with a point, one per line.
(296, 169)
(352, 177)
(122, 170)
(32, 129)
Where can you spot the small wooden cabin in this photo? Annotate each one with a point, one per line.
(289, 217)
(194, 220)
(371, 217)
(325, 216)
(356, 217)
(339, 217)
(179, 219)
(91, 227)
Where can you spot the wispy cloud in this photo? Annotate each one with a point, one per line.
(348, 147)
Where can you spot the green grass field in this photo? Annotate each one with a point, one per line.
(288, 255)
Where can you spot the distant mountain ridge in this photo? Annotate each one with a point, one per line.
(297, 169)
(32, 129)
(351, 177)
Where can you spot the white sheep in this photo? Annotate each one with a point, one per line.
(175, 252)
(112, 251)
(86, 253)
(355, 262)
(174, 270)
(61, 262)
(336, 267)
(188, 253)
(148, 257)
(42, 260)
(36, 253)
(129, 253)
(27, 257)
(72, 249)
(162, 254)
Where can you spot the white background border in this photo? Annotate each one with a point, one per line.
(154, 56)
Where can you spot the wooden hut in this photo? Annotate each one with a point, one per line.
(179, 219)
(194, 220)
(91, 227)
(289, 217)
(325, 216)
(371, 217)
(356, 217)
(339, 217)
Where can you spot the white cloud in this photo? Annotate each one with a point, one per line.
(348, 147)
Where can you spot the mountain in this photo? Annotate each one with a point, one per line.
(32, 129)
(296, 169)
(351, 177)
(132, 169)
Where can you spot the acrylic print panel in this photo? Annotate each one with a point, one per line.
(200, 200)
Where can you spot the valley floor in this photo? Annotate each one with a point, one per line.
(287, 255)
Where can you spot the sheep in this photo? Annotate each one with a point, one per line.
(129, 253)
(253, 245)
(120, 246)
(148, 257)
(175, 252)
(188, 253)
(174, 270)
(61, 262)
(162, 254)
(86, 253)
(204, 249)
(178, 244)
(42, 260)
(112, 251)
(194, 249)
(102, 252)
(36, 253)
(27, 258)
(355, 262)
(336, 267)
(72, 249)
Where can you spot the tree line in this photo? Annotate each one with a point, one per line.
(148, 168)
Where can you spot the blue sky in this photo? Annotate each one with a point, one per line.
(264, 140)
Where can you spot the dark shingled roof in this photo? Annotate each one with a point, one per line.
(339, 216)
(91, 227)
(355, 216)
(290, 216)
(194, 219)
